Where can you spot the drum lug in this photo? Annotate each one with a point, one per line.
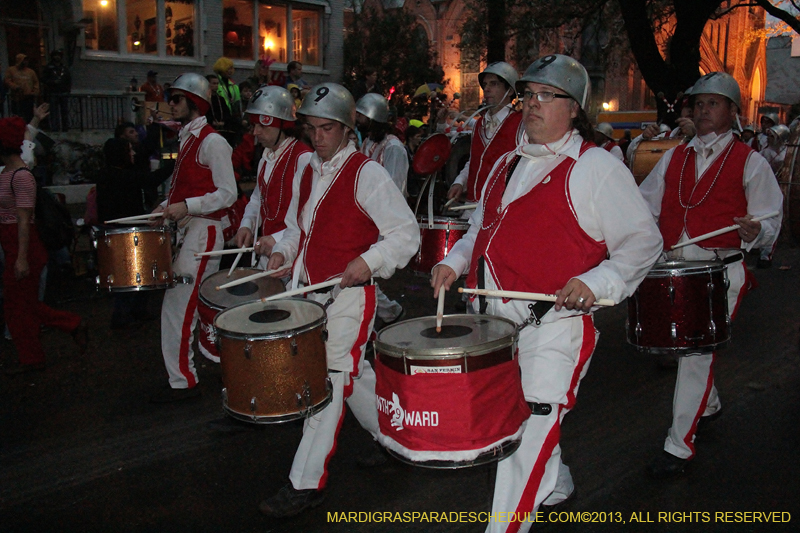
(712, 329)
(674, 332)
(671, 293)
(97, 281)
(184, 279)
(110, 279)
(138, 278)
(253, 406)
(727, 283)
(324, 335)
(162, 239)
(108, 241)
(247, 351)
(638, 330)
(136, 240)
(710, 286)
(304, 400)
(293, 345)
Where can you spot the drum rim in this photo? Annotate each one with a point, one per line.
(134, 288)
(278, 419)
(442, 222)
(506, 448)
(434, 354)
(211, 305)
(132, 229)
(285, 334)
(681, 350)
(700, 267)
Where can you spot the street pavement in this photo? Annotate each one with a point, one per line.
(82, 450)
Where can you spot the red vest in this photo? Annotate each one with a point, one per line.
(276, 189)
(535, 244)
(609, 146)
(339, 229)
(482, 156)
(717, 198)
(190, 178)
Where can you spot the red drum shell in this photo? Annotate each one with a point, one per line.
(436, 243)
(681, 307)
(432, 154)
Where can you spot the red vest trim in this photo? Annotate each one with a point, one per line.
(482, 156)
(535, 244)
(344, 232)
(191, 178)
(609, 146)
(276, 189)
(717, 197)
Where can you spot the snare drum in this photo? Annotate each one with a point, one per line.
(436, 242)
(452, 399)
(273, 361)
(647, 154)
(134, 258)
(213, 301)
(681, 307)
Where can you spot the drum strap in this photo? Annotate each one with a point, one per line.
(733, 258)
(541, 409)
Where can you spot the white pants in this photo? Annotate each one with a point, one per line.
(179, 310)
(350, 321)
(695, 394)
(554, 357)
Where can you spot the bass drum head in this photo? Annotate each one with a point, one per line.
(246, 292)
(461, 334)
(269, 320)
(115, 230)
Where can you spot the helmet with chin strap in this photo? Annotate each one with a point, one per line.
(271, 105)
(561, 72)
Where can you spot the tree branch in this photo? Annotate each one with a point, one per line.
(781, 14)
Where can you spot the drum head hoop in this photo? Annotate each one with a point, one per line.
(432, 154)
(246, 292)
(278, 318)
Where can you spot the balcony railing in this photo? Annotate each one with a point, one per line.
(99, 111)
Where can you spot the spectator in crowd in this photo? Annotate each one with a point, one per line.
(246, 89)
(23, 88)
(295, 71)
(261, 74)
(57, 82)
(367, 84)
(748, 136)
(153, 92)
(25, 257)
(296, 94)
(219, 114)
(227, 89)
(121, 190)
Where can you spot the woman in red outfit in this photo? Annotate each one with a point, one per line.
(25, 258)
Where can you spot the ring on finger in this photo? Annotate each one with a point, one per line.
(581, 300)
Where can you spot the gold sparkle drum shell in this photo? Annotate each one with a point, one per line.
(648, 154)
(134, 258)
(273, 360)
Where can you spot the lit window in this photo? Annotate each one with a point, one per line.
(272, 32)
(101, 33)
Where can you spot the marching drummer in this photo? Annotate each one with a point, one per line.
(341, 207)
(684, 127)
(203, 185)
(562, 216)
(711, 182)
(498, 131)
(604, 138)
(272, 113)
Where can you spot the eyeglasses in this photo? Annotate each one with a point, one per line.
(176, 98)
(543, 96)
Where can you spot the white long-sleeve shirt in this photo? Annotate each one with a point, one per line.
(392, 155)
(608, 208)
(760, 189)
(377, 195)
(215, 153)
(267, 164)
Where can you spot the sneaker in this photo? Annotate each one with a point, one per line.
(560, 506)
(291, 502)
(170, 395)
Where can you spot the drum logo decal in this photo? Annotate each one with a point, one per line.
(400, 416)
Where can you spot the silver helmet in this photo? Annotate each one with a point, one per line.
(502, 70)
(193, 83)
(781, 132)
(374, 106)
(332, 101)
(773, 117)
(273, 101)
(561, 72)
(720, 83)
(606, 129)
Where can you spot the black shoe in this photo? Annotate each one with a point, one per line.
(291, 502)
(764, 263)
(562, 505)
(705, 422)
(374, 456)
(17, 369)
(81, 337)
(666, 466)
(169, 395)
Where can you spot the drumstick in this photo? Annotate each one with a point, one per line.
(449, 203)
(303, 290)
(224, 252)
(136, 218)
(732, 227)
(251, 277)
(235, 262)
(440, 310)
(463, 207)
(516, 295)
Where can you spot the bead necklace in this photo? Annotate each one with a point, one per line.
(290, 151)
(687, 204)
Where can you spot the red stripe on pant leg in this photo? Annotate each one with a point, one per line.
(588, 343)
(689, 438)
(528, 498)
(364, 329)
(348, 391)
(191, 309)
(749, 281)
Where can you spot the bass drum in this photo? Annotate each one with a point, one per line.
(648, 154)
(789, 180)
